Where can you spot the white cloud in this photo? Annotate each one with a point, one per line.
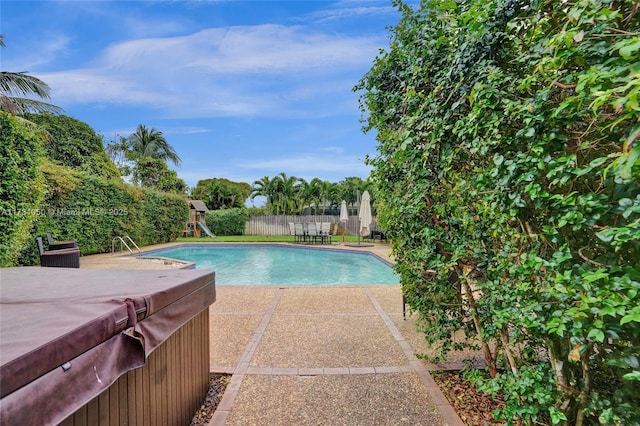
(313, 164)
(186, 130)
(350, 12)
(52, 47)
(333, 149)
(260, 49)
(234, 71)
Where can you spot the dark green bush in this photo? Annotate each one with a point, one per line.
(74, 144)
(164, 216)
(227, 221)
(93, 210)
(508, 171)
(21, 189)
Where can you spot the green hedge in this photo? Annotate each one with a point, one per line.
(93, 210)
(74, 144)
(227, 221)
(21, 189)
(40, 196)
(508, 167)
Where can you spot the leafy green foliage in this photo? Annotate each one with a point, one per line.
(21, 188)
(154, 173)
(508, 177)
(227, 221)
(293, 195)
(117, 151)
(93, 210)
(74, 144)
(143, 158)
(150, 143)
(84, 200)
(220, 193)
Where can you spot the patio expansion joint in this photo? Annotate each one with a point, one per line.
(414, 365)
(238, 313)
(328, 314)
(224, 407)
(441, 403)
(327, 371)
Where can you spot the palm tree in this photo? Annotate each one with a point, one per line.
(327, 194)
(313, 193)
(286, 194)
(263, 187)
(333, 194)
(15, 85)
(151, 143)
(349, 188)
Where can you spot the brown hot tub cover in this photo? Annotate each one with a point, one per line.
(68, 334)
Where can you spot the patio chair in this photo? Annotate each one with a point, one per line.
(61, 258)
(57, 245)
(312, 232)
(299, 233)
(376, 233)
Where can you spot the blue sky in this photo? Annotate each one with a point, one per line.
(241, 89)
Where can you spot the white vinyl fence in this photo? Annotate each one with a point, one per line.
(279, 225)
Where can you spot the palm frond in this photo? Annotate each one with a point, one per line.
(145, 142)
(19, 106)
(21, 83)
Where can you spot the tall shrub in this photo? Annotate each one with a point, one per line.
(74, 144)
(21, 189)
(163, 216)
(227, 221)
(508, 174)
(94, 210)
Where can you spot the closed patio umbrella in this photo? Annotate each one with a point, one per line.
(344, 217)
(365, 215)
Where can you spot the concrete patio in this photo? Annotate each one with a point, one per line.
(333, 355)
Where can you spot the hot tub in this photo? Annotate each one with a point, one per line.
(112, 346)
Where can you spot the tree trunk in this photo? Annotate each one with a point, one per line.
(566, 403)
(486, 350)
(504, 338)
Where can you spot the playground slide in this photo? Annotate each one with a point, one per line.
(206, 230)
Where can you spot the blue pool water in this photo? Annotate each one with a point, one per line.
(276, 265)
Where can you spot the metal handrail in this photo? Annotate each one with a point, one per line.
(133, 243)
(123, 242)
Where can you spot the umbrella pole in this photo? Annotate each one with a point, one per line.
(359, 201)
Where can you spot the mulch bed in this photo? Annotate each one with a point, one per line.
(473, 407)
(217, 384)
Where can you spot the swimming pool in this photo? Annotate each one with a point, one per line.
(280, 265)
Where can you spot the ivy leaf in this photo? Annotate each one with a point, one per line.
(447, 6)
(596, 335)
(595, 276)
(634, 375)
(628, 50)
(579, 36)
(633, 316)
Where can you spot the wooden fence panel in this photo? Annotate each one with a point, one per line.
(279, 225)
